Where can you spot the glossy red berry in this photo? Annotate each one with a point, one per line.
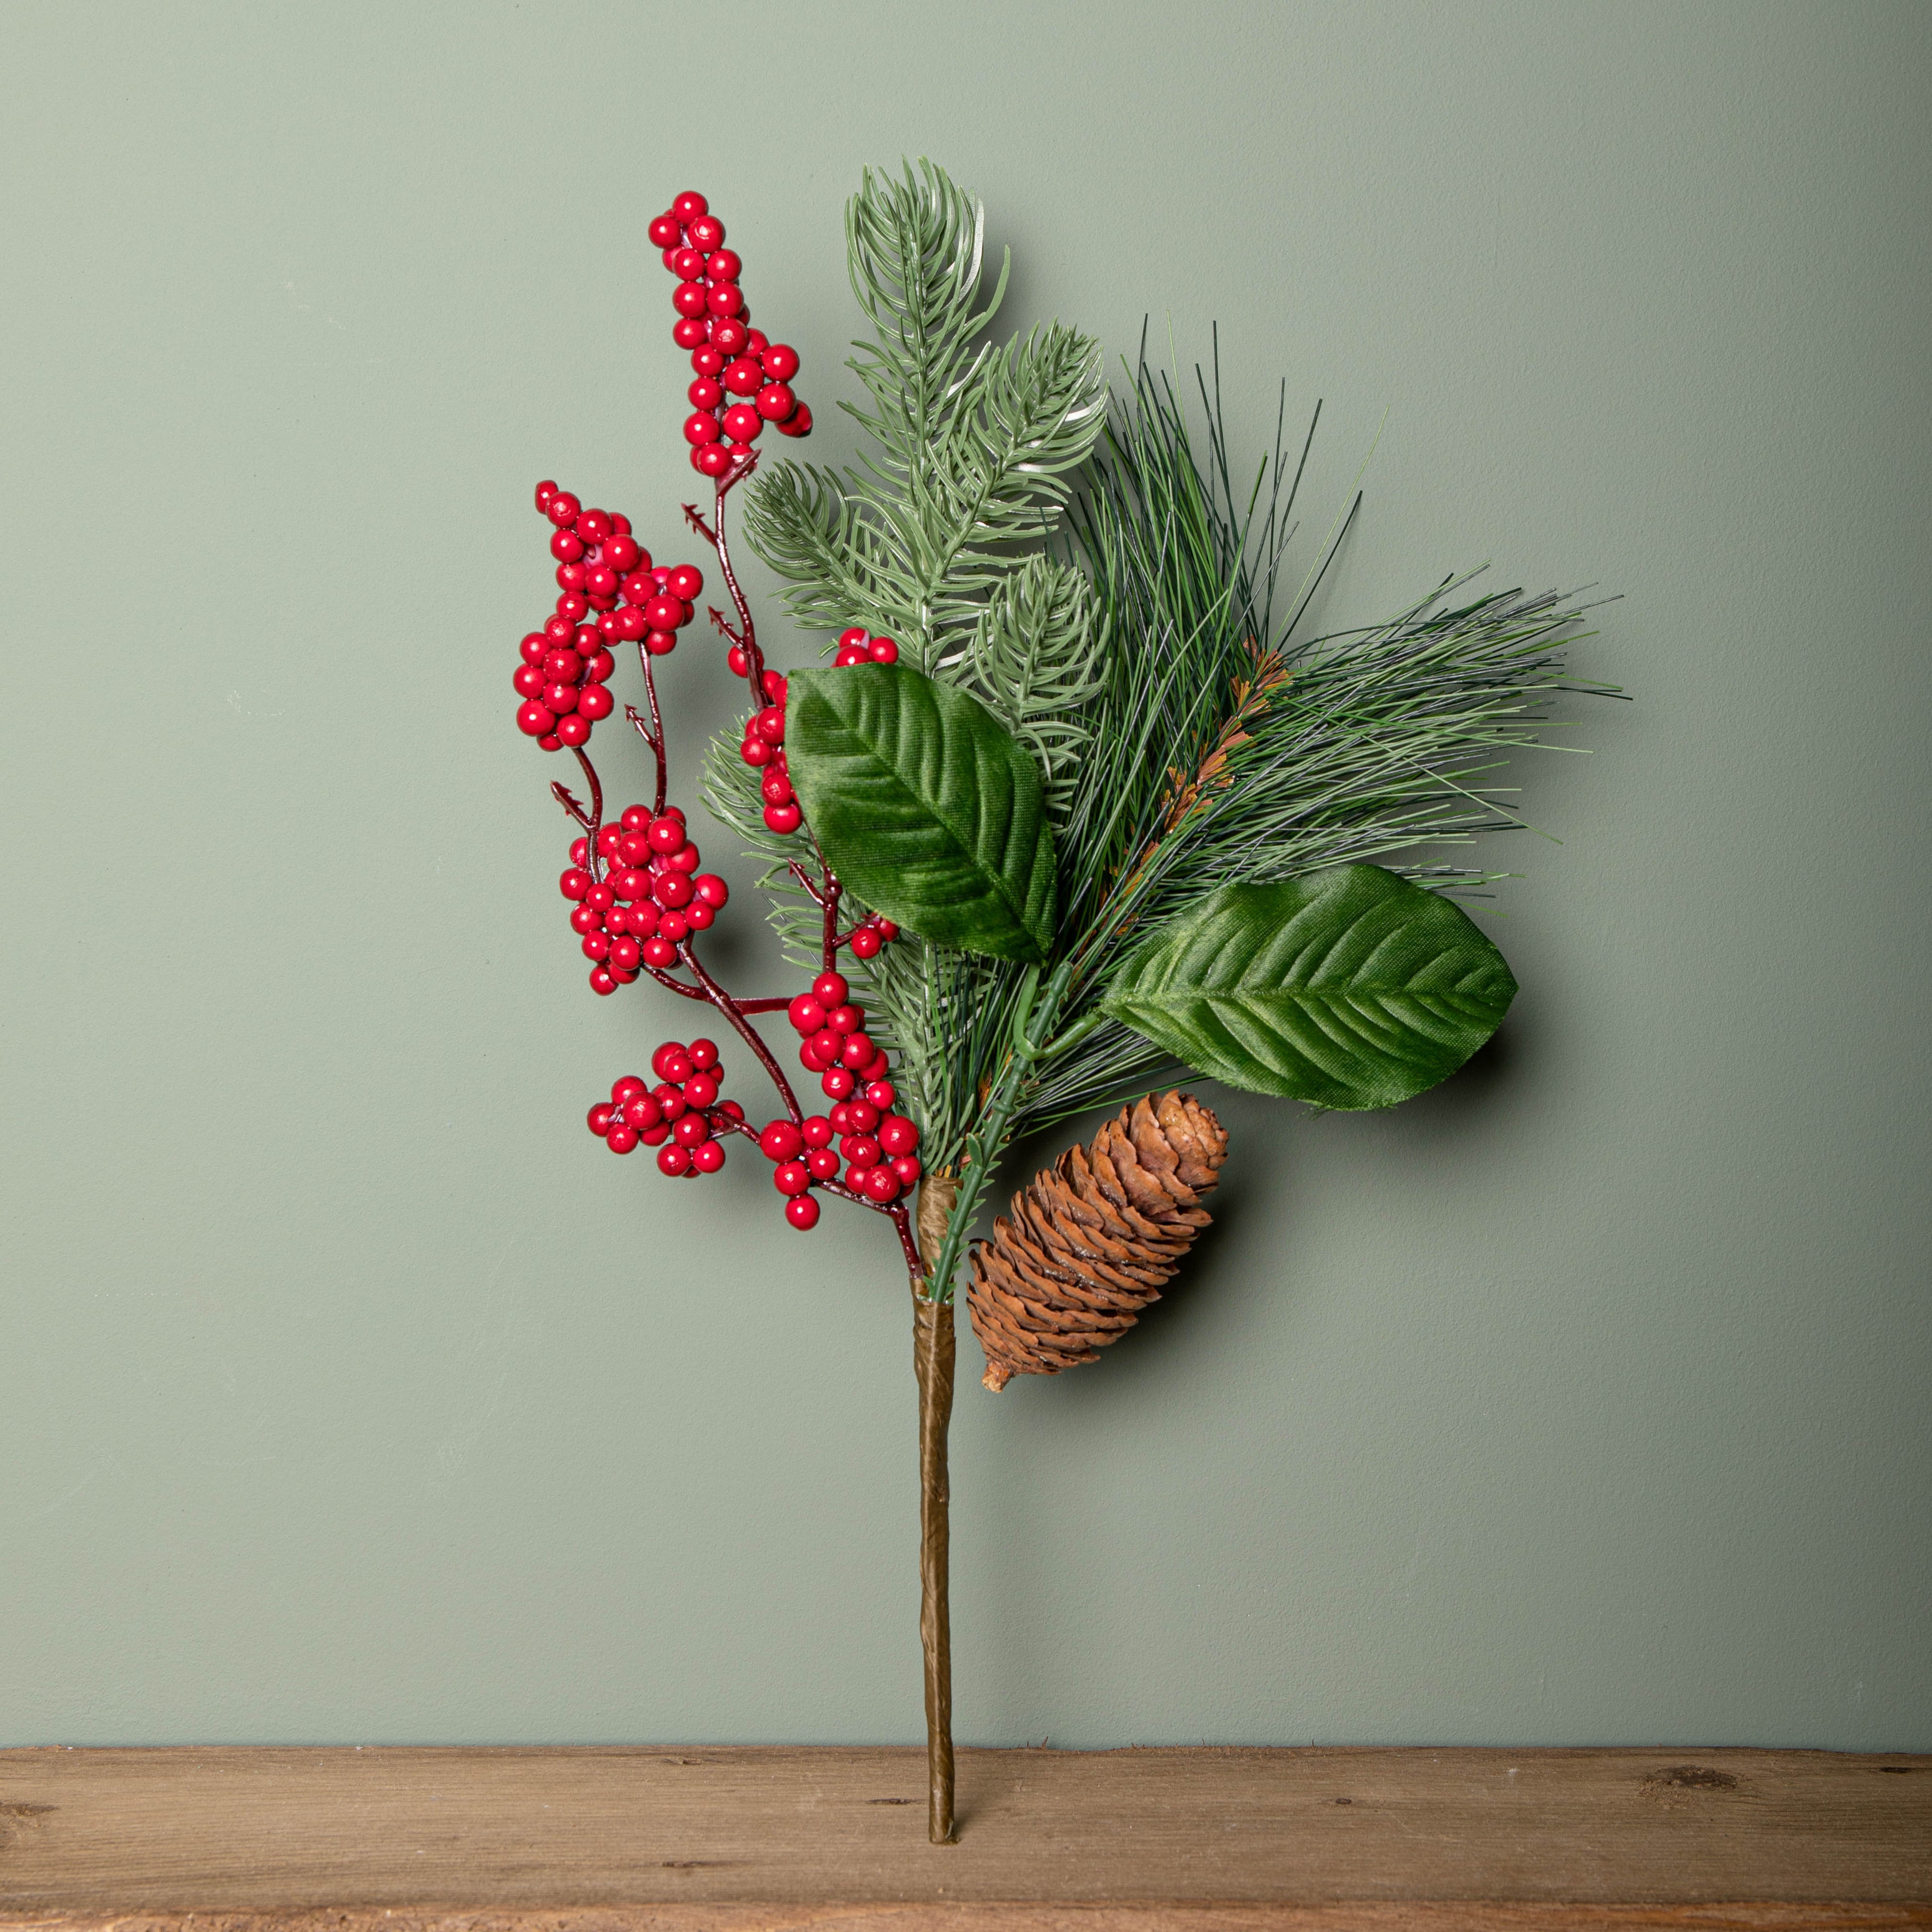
(769, 725)
(881, 1094)
(859, 1150)
(596, 945)
(575, 883)
(780, 361)
(724, 298)
(807, 1013)
(743, 424)
(691, 1129)
(822, 1164)
(708, 1157)
(698, 915)
(836, 1083)
(685, 582)
(776, 787)
(603, 980)
(898, 1134)
(776, 401)
(534, 720)
(688, 332)
(798, 423)
(705, 393)
(566, 547)
(829, 989)
(857, 1052)
(643, 1112)
(620, 1139)
(881, 1184)
(883, 650)
(546, 489)
(586, 919)
(669, 1061)
(598, 1119)
(816, 1131)
(713, 460)
(666, 834)
(707, 232)
(864, 943)
(783, 819)
(706, 360)
(702, 1054)
(688, 264)
(699, 428)
(660, 952)
(741, 665)
(594, 702)
(802, 1212)
(780, 1140)
(563, 509)
(688, 299)
(711, 890)
(742, 377)
(731, 335)
(756, 752)
(907, 1168)
(789, 1177)
(592, 526)
(673, 1160)
(529, 681)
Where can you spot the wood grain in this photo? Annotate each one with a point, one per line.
(704, 1840)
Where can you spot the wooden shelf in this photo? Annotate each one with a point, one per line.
(726, 1839)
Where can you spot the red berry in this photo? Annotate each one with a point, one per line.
(624, 954)
(789, 1177)
(670, 1098)
(742, 378)
(769, 725)
(711, 890)
(741, 665)
(857, 634)
(665, 612)
(826, 1044)
(846, 1017)
(533, 720)
(592, 526)
(692, 1129)
(673, 1160)
(708, 1157)
(563, 509)
(724, 298)
(707, 232)
(822, 1164)
(688, 264)
(620, 1139)
(780, 1140)
(688, 298)
(841, 1119)
(906, 1167)
(603, 895)
(713, 460)
(575, 883)
(783, 819)
(702, 1054)
(599, 667)
(859, 1150)
(596, 945)
(663, 231)
(806, 1014)
(698, 915)
(602, 980)
(580, 851)
(756, 342)
(865, 942)
(529, 681)
(699, 428)
(883, 650)
(776, 787)
(780, 362)
(816, 1131)
(882, 1185)
(798, 423)
(574, 730)
(829, 989)
(857, 1052)
(881, 1095)
(731, 1110)
(732, 336)
(705, 393)
(586, 919)
(594, 702)
(546, 491)
(688, 332)
(725, 265)
(643, 1112)
(598, 1120)
(565, 547)
(685, 582)
(601, 580)
(743, 423)
(537, 645)
(836, 1083)
(622, 554)
(660, 643)
(659, 953)
(706, 360)
(862, 1115)
(898, 1134)
(756, 752)
(667, 1058)
(674, 927)
(776, 402)
(665, 834)
(684, 860)
(802, 1212)
(850, 655)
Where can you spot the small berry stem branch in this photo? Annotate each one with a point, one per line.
(734, 1014)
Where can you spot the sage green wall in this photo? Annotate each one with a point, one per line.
(348, 1392)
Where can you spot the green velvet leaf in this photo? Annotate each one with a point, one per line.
(1350, 987)
(925, 805)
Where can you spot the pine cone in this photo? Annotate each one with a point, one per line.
(1091, 1239)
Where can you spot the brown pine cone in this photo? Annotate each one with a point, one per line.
(1091, 1239)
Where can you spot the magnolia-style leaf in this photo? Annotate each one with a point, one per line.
(1350, 987)
(925, 805)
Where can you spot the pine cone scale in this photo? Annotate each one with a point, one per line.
(1092, 1240)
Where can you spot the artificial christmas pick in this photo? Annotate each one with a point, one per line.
(1074, 806)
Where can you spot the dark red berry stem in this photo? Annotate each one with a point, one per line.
(735, 1014)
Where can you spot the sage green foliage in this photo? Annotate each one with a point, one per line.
(1128, 612)
(1349, 988)
(925, 806)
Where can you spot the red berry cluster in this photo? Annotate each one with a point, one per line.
(858, 646)
(636, 894)
(682, 1118)
(743, 378)
(601, 571)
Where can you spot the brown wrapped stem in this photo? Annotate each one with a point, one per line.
(933, 1344)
